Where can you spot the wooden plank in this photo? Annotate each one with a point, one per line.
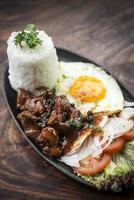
(101, 30)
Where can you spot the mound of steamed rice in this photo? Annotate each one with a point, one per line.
(31, 68)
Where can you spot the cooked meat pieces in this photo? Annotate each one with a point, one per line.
(76, 120)
(43, 92)
(60, 115)
(57, 121)
(26, 115)
(35, 105)
(49, 142)
(42, 120)
(36, 108)
(54, 118)
(90, 117)
(62, 106)
(49, 137)
(22, 96)
(39, 101)
(46, 98)
(52, 121)
(28, 121)
(52, 151)
(63, 129)
(42, 100)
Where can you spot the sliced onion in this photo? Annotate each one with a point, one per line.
(72, 160)
(128, 104)
(94, 145)
(84, 151)
(109, 135)
(127, 113)
(103, 121)
(119, 126)
(96, 149)
(90, 147)
(79, 141)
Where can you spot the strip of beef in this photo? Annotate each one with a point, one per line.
(22, 96)
(41, 101)
(60, 115)
(35, 105)
(48, 136)
(63, 106)
(53, 152)
(43, 92)
(49, 142)
(58, 122)
(28, 121)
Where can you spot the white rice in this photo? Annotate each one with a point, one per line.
(31, 68)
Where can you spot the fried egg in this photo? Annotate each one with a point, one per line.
(89, 87)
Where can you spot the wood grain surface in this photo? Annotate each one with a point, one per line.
(102, 30)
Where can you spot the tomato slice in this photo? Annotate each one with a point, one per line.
(94, 165)
(115, 146)
(129, 135)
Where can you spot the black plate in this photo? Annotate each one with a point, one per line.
(10, 96)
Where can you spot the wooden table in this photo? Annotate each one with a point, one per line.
(102, 30)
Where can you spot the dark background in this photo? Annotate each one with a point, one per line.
(102, 30)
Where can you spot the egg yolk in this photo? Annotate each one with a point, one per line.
(87, 89)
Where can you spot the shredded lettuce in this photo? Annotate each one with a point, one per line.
(118, 173)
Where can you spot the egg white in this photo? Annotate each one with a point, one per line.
(69, 71)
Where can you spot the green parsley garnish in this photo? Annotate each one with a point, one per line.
(28, 36)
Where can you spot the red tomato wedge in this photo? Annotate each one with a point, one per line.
(115, 146)
(94, 165)
(129, 135)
